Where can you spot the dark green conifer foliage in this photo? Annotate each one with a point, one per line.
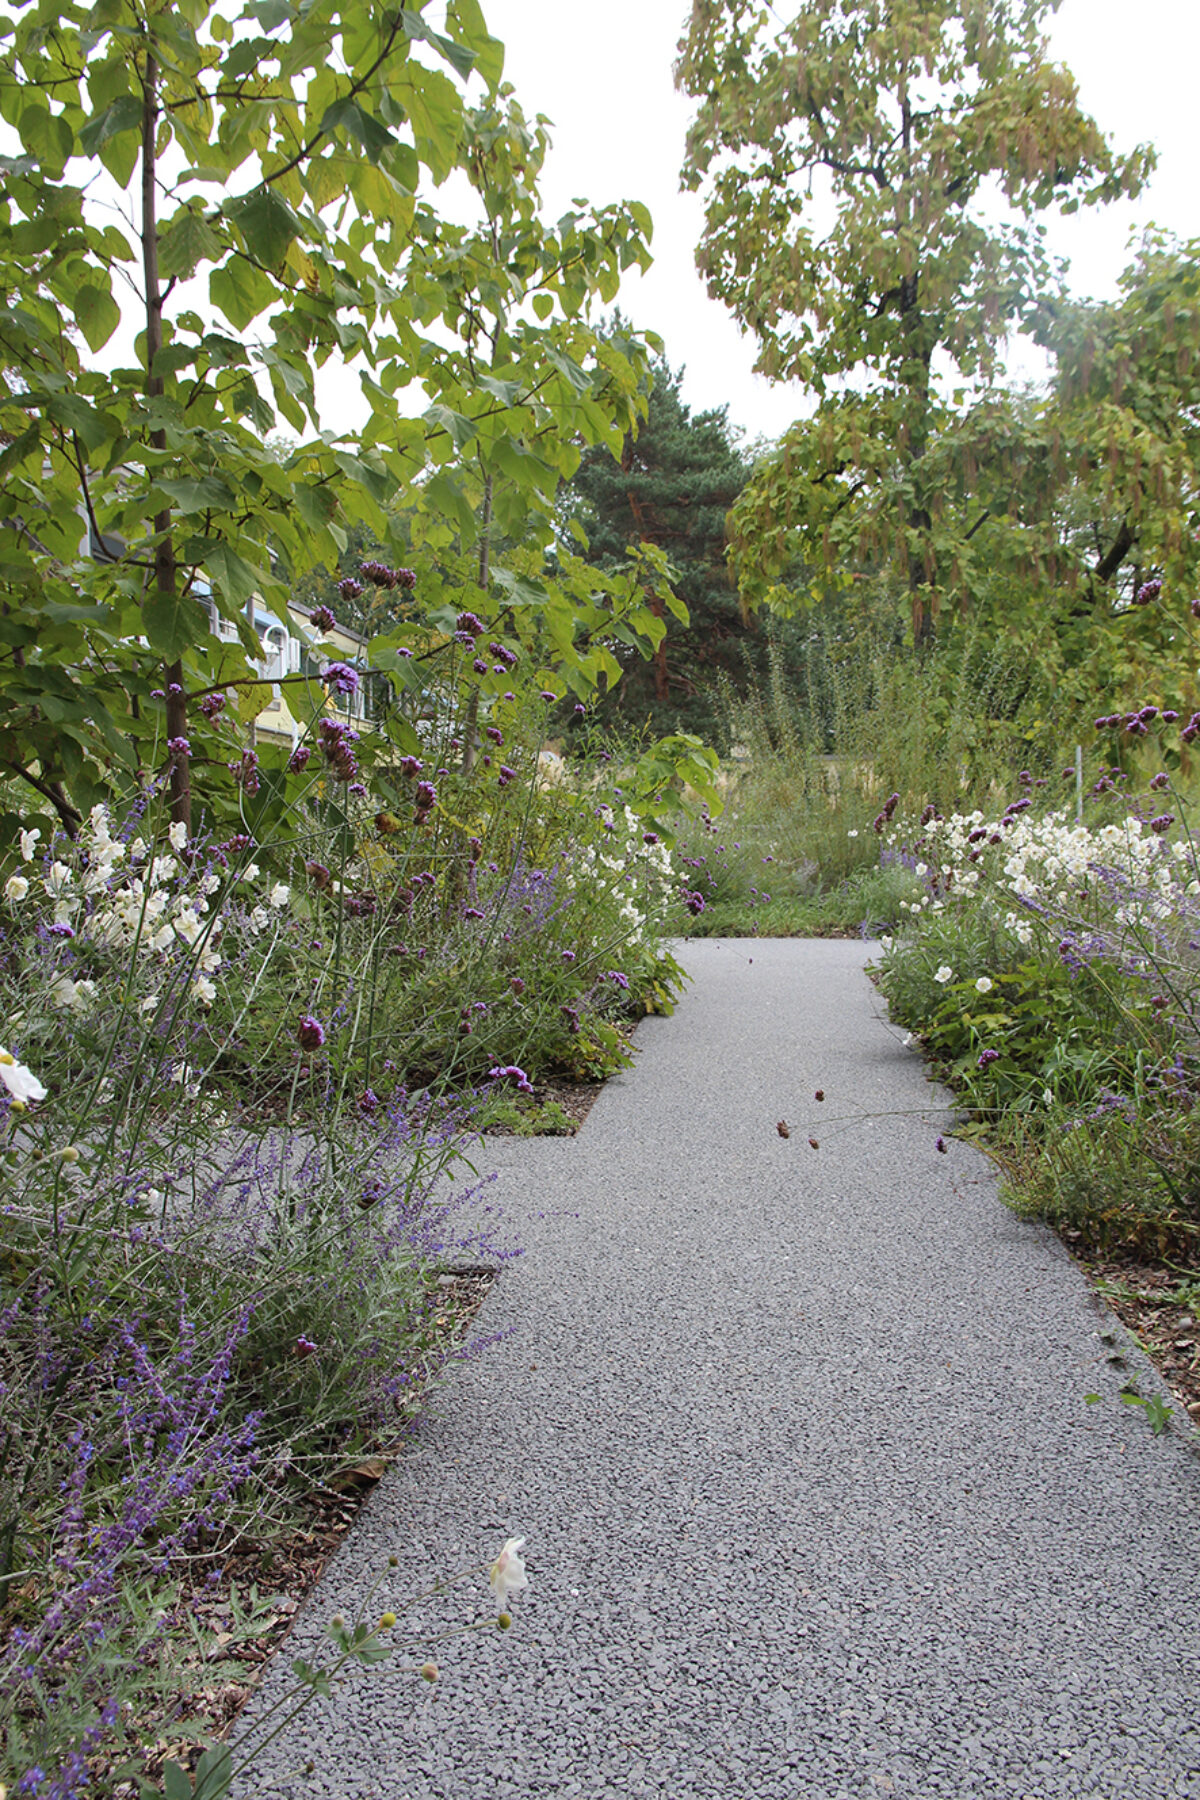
(673, 487)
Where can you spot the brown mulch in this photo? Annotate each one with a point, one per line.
(1146, 1299)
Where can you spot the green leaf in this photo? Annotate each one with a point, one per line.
(457, 55)
(125, 114)
(176, 1782)
(232, 574)
(47, 136)
(460, 428)
(350, 117)
(267, 224)
(543, 305)
(96, 313)
(173, 622)
(241, 291)
(214, 1773)
(444, 495)
(190, 494)
(187, 241)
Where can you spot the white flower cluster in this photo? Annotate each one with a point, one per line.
(134, 900)
(621, 862)
(1066, 868)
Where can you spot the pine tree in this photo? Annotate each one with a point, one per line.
(673, 487)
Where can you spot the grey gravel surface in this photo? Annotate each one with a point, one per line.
(797, 1438)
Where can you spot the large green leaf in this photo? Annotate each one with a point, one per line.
(267, 224)
(241, 291)
(96, 313)
(125, 114)
(348, 116)
(173, 623)
(187, 241)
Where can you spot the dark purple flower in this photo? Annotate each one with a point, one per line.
(305, 1347)
(299, 758)
(425, 796)
(410, 766)
(986, 1057)
(1148, 592)
(941, 1145)
(212, 704)
(1169, 715)
(1161, 780)
(506, 775)
(479, 666)
(318, 874)
(310, 1033)
(517, 985)
(511, 1072)
(180, 747)
(1163, 823)
(495, 733)
(60, 929)
(649, 837)
(341, 677)
(472, 912)
(470, 625)
(547, 696)
(322, 617)
(357, 788)
(368, 1102)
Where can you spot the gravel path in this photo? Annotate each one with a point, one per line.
(814, 1505)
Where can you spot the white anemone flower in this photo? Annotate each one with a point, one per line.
(29, 844)
(177, 833)
(507, 1574)
(16, 887)
(984, 985)
(944, 974)
(279, 894)
(24, 1086)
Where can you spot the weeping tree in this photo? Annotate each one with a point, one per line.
(875, 173)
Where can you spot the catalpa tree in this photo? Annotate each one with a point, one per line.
(874, 172)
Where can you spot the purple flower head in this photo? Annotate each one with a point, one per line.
(299, 758)
(179, 747)
(1163, 823)
(470, 624)
(472, 912)
(1169, 715)
(506, 775)
(410, 766)
(368, 1102)
(568, 956)
(1148, 592)
(1147, 714)
(322, 616)
(173, 687)
(940, 1146)
(1161, 780)
(212, 705)
(547, 696)
(305, 1347)
(694, 901)
(425, 796)
(319, 875)
(517, 985)
(479, 666)
(580, 708)
(649, 837)
(986, 1057)
(60, 929)
(495, 733)
(618, 980)
(310, 1032)
(511, 1072)
(341, 677)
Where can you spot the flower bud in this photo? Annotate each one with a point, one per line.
(429, 1671)
(387, 1621)
(503, 1621)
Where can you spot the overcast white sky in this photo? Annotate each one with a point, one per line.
(603, 76)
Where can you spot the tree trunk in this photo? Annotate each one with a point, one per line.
(166, 575)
